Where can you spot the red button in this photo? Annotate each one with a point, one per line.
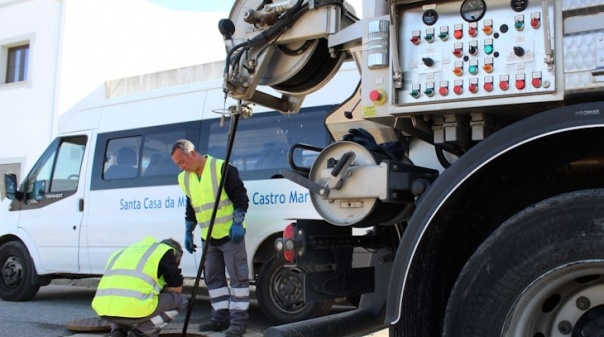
(458, 34)
(472, 32)
(535, 23)
(457, 52)
(488, 86)
(520, 84)
(504, 85)
(458, 89)
(415, 40)
(536, 82)
(374, 95)
(443, 91)
(473, 88)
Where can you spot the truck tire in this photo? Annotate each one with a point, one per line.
(280, 294)
(18, 278)
(540, 274)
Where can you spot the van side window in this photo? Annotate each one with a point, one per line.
(156, 153)
(121, 158)
(262, 142)
(59, 167)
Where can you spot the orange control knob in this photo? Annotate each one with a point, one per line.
(488, 30)
(443, 91)
(504, 85)
(458, 71)
(488, 87)
(488, 68)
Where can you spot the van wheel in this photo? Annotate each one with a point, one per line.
(540, 274)
(18, 276)
(280, 294)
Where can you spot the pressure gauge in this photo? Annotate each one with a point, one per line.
(473, 10)
(430, 17)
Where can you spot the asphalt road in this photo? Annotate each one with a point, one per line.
(56, 305)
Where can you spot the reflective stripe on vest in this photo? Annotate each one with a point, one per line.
(202, 193)
(130, 287)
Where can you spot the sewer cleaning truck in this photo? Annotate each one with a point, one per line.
(469, 161)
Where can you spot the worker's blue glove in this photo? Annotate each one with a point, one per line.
(189, 243)
(237, 232)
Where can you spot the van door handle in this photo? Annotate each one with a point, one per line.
(81, 205)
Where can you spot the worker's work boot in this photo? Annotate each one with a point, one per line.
(117, 333)
(135, 333)
(213, 326)
(235, 331)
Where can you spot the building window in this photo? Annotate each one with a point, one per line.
(17, 67)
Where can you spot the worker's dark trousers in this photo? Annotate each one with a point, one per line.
(167, 308)
(229, 304)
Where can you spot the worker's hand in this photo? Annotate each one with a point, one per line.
(237, 232)
(189, 243)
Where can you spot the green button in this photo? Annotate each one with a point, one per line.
(429, 92)
(488, 49)
(415, 93)
(473, 70)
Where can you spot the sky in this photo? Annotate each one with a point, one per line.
(113, 39)
(196, 5)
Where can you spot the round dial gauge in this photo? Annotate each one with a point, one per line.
(473, 10)
(430, 17)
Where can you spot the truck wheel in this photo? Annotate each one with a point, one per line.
(280, 294)
(18, 275)
(540, 274)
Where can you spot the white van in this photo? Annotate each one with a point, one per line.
(108, 181)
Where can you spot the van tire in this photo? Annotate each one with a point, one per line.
(18, 278)
(282, 305)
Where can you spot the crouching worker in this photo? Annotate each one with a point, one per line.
(141, 289)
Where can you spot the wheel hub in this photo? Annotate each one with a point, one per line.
(568, 301)
(11, 272)
(290, 288)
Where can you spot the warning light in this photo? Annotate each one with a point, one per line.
(488, 86)
(536, 82)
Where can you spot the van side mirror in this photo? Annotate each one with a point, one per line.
(10, 185)
(39, 190)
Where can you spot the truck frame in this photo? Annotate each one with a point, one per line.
(504, 236)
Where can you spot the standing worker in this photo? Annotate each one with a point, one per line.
(141, 289)
(226, 247)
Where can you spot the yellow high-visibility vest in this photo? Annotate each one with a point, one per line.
(130, 287)
(202, 193)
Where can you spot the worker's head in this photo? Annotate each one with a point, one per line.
(177, 248)
(184, 155)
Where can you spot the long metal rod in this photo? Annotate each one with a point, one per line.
(231, 139)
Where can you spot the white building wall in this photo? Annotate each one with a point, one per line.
(26, 108)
